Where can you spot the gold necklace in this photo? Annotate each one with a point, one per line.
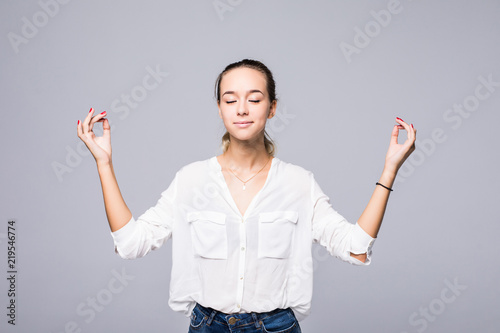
(249, 179)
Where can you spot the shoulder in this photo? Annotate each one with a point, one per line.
(199, 171)
(197, 166)
(293, 170)
(195, 174)
(293, 177)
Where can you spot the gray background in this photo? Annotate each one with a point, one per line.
(441, 227)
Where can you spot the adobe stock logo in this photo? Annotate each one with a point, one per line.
(455, 116)
(280, 121)
(123, 106)
(372, 29)
(30, 28)
(89, 309)
(428, 314)
(223, 6)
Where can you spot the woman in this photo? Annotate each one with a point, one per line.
(242, 223)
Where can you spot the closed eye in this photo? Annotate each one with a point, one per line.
(229, 102)
(254, 100)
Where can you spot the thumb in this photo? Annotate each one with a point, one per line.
(394, 135)
(106, 129)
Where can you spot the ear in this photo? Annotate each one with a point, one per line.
(220, 113)
(272, 109)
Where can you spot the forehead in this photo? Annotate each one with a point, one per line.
(243, 79)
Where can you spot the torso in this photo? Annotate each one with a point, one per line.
(243, 198)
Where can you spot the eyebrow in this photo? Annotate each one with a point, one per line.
(250, 91)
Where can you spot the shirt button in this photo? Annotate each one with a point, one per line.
(238, 306)
(242, 248)
(242, 220)
(241, 278)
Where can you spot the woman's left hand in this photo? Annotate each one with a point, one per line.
(398, 153)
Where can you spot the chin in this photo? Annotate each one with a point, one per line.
(240, 137)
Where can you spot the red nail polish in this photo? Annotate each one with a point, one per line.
(78, 122)
(411, 125)
(103, 112)
(91, 109)
(399, 118)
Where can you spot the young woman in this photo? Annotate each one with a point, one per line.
(242, 223)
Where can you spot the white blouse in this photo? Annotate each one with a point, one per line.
(252, 263)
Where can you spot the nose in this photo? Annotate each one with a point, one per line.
(242, 109)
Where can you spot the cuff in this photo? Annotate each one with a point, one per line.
(124, 233)
(361, 242)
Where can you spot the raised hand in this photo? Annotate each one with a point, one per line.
(398, 153)
(371, 218)
(99, 146)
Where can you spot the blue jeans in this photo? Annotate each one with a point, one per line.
(208, 320)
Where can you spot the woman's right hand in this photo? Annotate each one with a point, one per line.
(117, 211)
(99, 146)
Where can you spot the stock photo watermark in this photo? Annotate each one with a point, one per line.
(280, 121)
(122, 105)
(309, 265)
(88, 309)
(430, 312)
(454, 116)
(224, 6)
(31, 26)
(12, 269)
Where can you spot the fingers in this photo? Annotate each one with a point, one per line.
(86, 126)
(86, 121)
(96, 119)
(79, 130)
(90, 120)
(409, 129)
(403, 124)
(395, 133)
(409, 144)
(106, 129)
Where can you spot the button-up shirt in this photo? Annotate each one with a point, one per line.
(235, 263)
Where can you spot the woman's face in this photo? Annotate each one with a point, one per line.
(244, 103)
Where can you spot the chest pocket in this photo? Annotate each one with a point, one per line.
(276, 231)
(208, 234)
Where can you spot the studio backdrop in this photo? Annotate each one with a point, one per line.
(344, 71)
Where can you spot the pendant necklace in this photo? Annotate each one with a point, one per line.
(249, 179)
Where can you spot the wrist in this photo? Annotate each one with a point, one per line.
(388, 176)
(103, 165)
(390, 171)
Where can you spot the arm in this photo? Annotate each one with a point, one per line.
(116, 209)
(117, 212)
(371, 218)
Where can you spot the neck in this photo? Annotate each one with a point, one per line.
(244, 156)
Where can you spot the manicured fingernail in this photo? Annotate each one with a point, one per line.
(399, 118)
(103, 112)
(411, 125)
(91, 109)
(78, 122)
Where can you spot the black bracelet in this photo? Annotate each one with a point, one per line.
(390, 189)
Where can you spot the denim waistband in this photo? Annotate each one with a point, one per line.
(238, 319)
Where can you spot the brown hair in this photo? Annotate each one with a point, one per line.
(271, 90)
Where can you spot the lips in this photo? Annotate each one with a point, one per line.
(243, 124)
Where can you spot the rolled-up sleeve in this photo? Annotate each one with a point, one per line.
(150, 231)
(335, 233)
